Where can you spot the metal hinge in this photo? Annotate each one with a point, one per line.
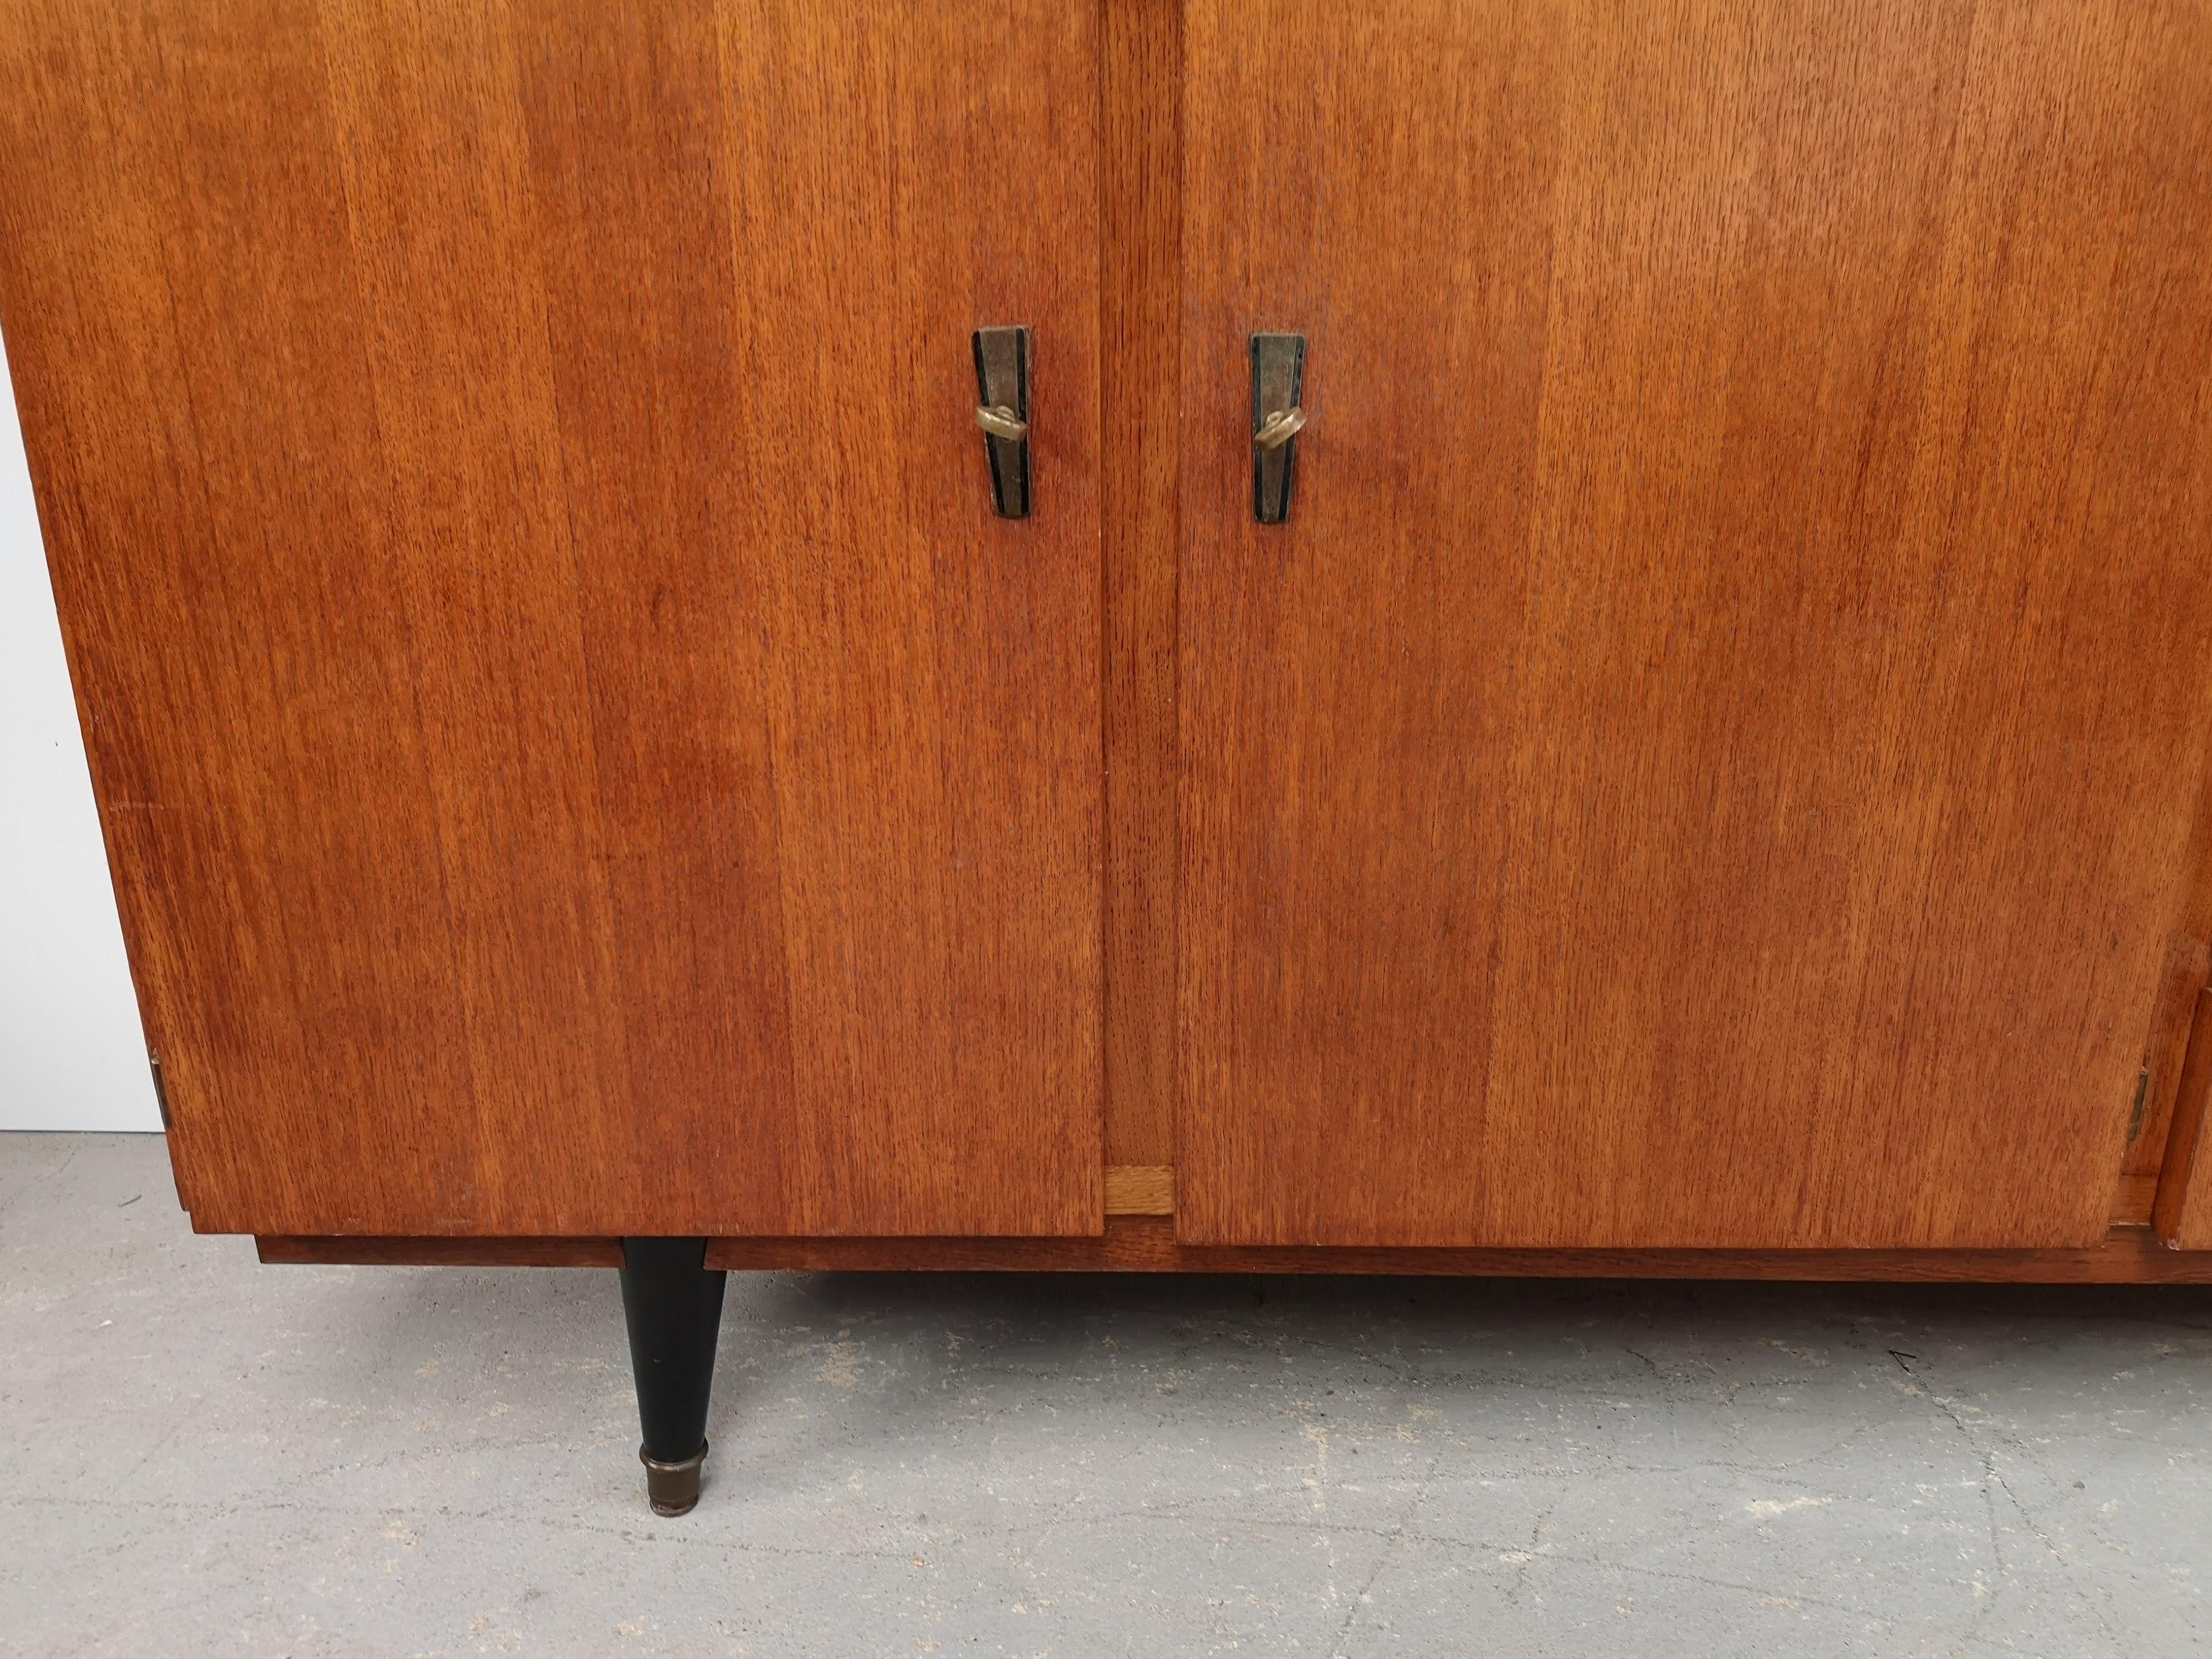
(161, 1088)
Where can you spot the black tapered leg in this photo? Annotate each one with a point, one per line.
(673, 1306)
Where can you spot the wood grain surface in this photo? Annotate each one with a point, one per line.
(2130, 1255)
(1141, 442)
(578, 751)
(1714, 758)
(1715, 762)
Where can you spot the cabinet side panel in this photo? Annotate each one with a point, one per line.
(1710, 760)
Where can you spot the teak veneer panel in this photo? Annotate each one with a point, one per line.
(577, 749)
(1713, 757)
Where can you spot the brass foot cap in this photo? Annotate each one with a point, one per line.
(672, 1488)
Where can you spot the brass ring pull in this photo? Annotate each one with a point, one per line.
(1279, 427)
(1001, 421)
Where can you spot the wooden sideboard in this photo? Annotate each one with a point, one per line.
(1692, 759)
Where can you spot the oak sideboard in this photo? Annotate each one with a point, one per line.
(1462, 636)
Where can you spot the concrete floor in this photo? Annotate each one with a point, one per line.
(200, 1455)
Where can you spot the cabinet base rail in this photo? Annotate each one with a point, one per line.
(2130, 1255)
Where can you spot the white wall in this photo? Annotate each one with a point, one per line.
(70, 1054)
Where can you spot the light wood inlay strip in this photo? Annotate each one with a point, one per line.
(1140, 1189)
(2131, 1204)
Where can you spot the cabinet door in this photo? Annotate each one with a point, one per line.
(1711, 757)
(579, 752)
